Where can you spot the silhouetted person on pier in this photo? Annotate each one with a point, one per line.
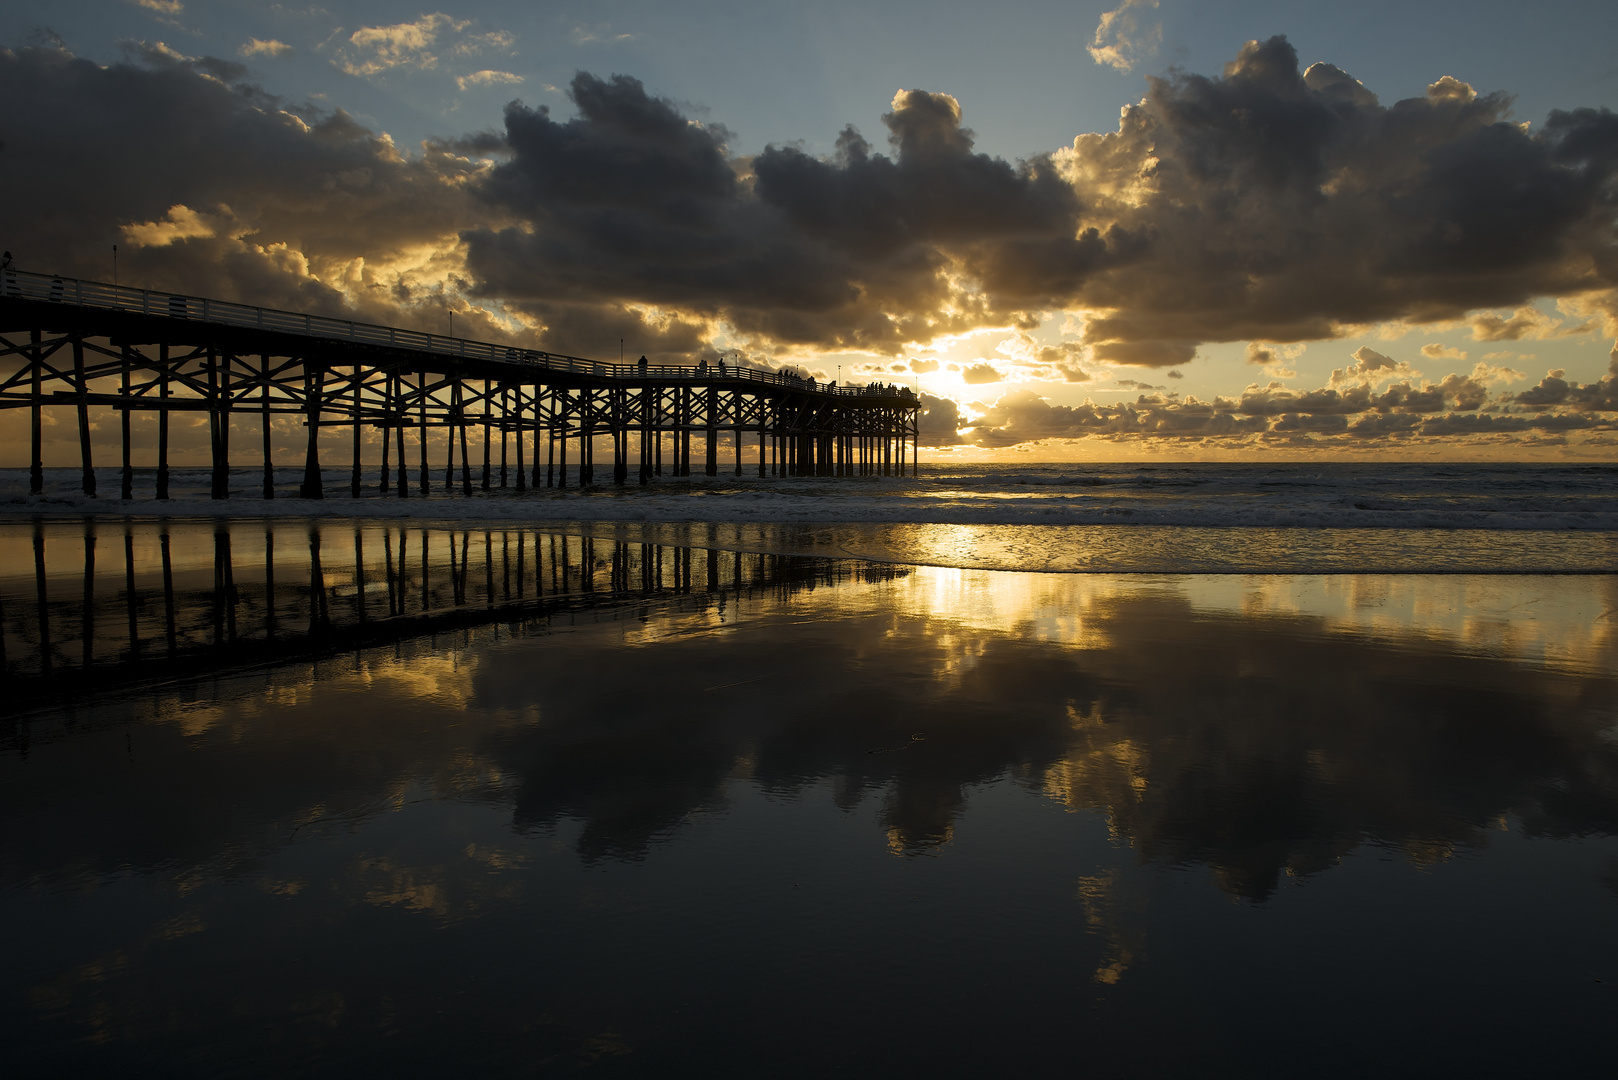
(641, 363)
(5, 273)
(721, 367)
(702, 365)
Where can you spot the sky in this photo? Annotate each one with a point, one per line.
(1081, 231)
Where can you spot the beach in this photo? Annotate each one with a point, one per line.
(336, 793)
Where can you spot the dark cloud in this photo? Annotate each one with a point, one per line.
(1554, 390)
(977, 374)
(210, 186)
(1266, 204)
(630, 200)
(1269, 203)
(940, 422)
(1279, 205)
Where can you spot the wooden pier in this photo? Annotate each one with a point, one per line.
(83, 345)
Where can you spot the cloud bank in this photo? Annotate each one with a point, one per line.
(1270, 204)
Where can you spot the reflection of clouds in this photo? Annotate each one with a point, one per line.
(1255, 729)
(443, 679)
(1258, 726)
(1113, 911)
(1557, 619)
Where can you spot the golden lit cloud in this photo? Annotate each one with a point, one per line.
(487, 78)
(180, 223)
(1123, 38)
(256, 47)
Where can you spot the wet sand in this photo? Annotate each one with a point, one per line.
(637, 808)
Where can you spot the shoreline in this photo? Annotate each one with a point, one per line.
(1056, 549)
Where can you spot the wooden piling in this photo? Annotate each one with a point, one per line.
(710, 463)
(264, 414)
(421, 387)
(354, 480)
(36, 459)
(561, 475)
(82, 385)
(127, 487)
(516, 431)
(536, 398)
(466, 466)
(313, 381)
(550, 448)
(452, 422)
(218, 487)
(163, 422)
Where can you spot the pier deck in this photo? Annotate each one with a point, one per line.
(70, 343)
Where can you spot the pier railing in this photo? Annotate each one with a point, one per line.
(98, 294)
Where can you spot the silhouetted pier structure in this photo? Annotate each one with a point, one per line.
(111, 603)
(136, 350)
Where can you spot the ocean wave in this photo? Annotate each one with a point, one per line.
(777, 507)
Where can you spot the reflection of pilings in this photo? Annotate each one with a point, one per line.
(269, 585)
(169, 631)
(130, 597)
(209, 620)
(488, 557)
(43, 600)
(359, 575)
(88, 620)
(387, 559)
(224, 587)
(318, 615)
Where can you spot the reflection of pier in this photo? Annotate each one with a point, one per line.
(135, 350)
(112, 603)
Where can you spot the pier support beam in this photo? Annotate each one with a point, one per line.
(354, 480)
(218, 426)
(421, 388)
(517, 430)
(313, 378)
(163, 422)
(127, 486)
(88, 478)
(264, 413)
(36, 460)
